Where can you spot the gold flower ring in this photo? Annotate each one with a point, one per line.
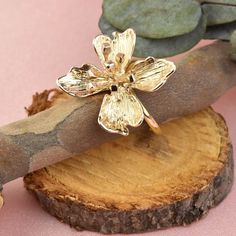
(121, 75)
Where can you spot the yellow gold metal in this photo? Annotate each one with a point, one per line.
(121, 75)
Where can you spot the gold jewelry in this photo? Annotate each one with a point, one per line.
(121, 75)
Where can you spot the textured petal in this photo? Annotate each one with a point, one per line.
(115, 53)
(103, 47)
(83, 81)
(119, 110)
(150, 74)
(123, 47)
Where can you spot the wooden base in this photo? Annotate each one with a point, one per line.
(1, 200)
(144, 181)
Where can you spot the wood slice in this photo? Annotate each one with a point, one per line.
(144, 181)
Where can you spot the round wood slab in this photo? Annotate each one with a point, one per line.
(144, 181)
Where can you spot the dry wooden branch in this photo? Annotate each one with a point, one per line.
(70, 127)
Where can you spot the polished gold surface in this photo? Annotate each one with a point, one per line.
(119, 109)
(121, 75)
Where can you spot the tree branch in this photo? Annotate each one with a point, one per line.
(70, 126)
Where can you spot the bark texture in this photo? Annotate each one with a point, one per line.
(142, 182)
(70, 127)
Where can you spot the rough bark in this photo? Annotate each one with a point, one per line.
(70, 127)
(142, 182)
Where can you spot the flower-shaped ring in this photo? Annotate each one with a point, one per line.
(120, 108)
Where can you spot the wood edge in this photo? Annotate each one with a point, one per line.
(106, 221)
(1, 200)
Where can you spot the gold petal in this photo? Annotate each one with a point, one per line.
(123, 47)
(103, 47)
(150, 74)
(83, 81)
(118, 110)
(115, 53)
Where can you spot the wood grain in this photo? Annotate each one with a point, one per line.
(144, 181)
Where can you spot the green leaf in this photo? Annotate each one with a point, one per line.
(219, 14)
(233, 44)
(153, 18)
(161, 47)
(222, 31)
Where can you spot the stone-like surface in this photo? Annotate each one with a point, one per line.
(153, 18)
(161, 47)
(222, 31)
(219, 14)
